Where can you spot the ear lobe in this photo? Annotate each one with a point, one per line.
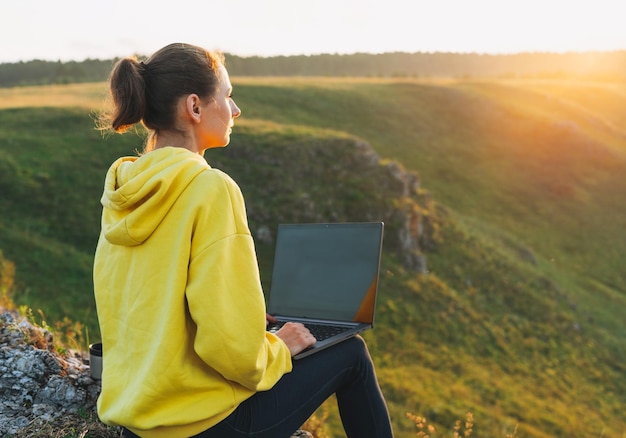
(195, 111)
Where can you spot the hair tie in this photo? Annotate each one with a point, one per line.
(143, 67)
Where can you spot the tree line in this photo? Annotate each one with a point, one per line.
(600, 65)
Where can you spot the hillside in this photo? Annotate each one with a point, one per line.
(519, 317)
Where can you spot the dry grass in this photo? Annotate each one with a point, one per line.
(70, 426)
(89, 426)
(89, 95)
(461, 428)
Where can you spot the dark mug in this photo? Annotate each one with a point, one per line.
(95, 360)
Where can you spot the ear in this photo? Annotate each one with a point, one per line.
(192, 107)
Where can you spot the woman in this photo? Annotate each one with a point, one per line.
(179, 299)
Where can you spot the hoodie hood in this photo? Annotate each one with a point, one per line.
(139, 192)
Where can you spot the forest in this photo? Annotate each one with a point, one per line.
(587, 65)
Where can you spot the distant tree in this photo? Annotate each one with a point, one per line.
(606, 65)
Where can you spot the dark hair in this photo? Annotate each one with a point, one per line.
(148, 92)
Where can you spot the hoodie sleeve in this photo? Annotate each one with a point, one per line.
(226, 299)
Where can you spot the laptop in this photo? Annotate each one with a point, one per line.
(325, 275)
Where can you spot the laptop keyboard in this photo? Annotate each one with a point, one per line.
(320, 331)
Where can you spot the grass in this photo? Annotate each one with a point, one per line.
(70, 426)
(519, 319)
(87, 96)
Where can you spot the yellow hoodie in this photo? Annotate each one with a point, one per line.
(179, 299)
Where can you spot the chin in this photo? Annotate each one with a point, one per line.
(218, 145)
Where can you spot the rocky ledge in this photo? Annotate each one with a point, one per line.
(39, 386)
(42, 389)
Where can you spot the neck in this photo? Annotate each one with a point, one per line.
(178, 140)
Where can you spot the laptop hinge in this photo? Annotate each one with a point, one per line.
(317, 321)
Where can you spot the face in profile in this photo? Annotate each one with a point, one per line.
(219, 113)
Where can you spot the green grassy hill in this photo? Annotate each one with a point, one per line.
(519, 319)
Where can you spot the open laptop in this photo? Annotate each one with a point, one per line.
(326, 276)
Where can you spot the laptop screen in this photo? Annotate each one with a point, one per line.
(326, 271)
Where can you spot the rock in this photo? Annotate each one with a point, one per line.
(38, 384)
(39, 387)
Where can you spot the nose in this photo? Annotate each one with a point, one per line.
(234, 109)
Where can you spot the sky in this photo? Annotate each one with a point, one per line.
(79, 29)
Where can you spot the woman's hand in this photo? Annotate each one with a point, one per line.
(296, 336)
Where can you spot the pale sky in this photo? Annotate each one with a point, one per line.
(79, 29)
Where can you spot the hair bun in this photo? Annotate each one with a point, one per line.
(142, 67)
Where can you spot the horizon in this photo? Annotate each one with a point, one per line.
(72, 30)
(227, 54)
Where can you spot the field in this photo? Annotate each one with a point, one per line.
(519, 319)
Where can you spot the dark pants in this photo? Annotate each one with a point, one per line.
(345, 370)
